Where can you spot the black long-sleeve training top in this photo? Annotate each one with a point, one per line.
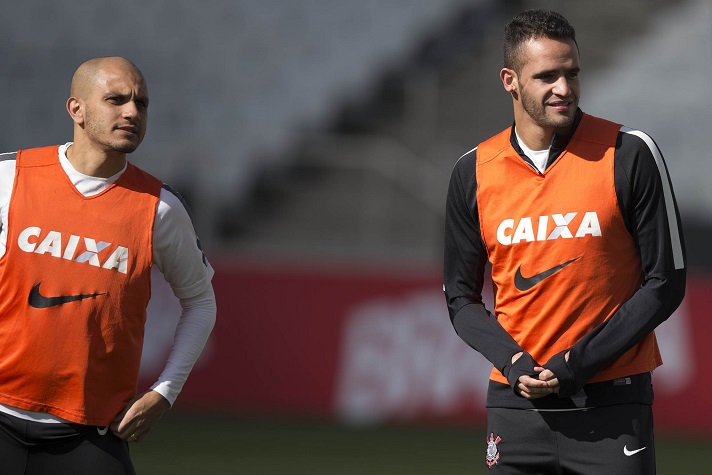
(644, 200)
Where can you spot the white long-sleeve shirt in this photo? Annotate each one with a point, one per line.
(175, 253)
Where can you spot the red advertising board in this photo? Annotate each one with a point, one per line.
(374, 345)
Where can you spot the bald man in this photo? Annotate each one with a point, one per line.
(109, 106)
(81, 230)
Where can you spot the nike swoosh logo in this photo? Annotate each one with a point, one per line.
(37, 300)
(628, 453)
(525, 283)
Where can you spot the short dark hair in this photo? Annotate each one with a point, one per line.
(533, 24)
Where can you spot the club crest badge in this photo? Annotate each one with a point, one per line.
(492, 451)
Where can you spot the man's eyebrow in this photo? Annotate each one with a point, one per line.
(115, 93)
(123, 95)
(549, 72)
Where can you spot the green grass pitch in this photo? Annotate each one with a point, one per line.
(221, 444)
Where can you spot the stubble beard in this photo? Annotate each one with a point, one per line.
(540, 115)
(95, 132)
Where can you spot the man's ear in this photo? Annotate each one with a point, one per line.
(76, 110)
(510, 81)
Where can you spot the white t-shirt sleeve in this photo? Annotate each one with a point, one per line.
(192, 332)
(176, 248)
(7, 180)
(177, 254)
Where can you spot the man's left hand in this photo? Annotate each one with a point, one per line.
(139, 416)
(549, 377)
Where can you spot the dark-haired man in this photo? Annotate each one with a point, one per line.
(578, 219)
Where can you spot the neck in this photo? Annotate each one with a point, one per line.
(96, 163)
(535, 139)
(534, 135)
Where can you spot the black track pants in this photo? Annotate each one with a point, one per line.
(611, 440)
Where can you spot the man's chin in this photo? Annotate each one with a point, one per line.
(563, 122)
(126, 147)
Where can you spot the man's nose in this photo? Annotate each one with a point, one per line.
(562, 87)
(130, 109)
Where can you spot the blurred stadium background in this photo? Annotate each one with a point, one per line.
(314, 140)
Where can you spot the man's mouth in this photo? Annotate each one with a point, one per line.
(129, 129)
(561, 105)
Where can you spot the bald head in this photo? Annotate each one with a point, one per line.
(90, 71)
(109, 106)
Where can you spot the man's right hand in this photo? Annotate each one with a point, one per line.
(534, 388)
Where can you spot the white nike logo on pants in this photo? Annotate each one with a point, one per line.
(628, 453)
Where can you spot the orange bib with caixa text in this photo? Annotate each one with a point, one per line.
(562, 258)
(74, 286)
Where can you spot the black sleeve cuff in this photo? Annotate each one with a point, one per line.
(523, 366)
(558, 365)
